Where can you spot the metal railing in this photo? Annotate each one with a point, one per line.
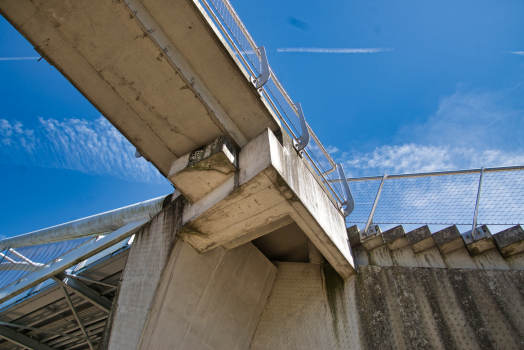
(487, 196)
(253, 59)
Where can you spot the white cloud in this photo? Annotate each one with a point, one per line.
(517, 52)
(332, 50)
(480, 120)
(91, 147)
(416, 158)
(18, 58)
(468, 130)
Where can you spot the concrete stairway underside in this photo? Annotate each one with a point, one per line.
(446, 248)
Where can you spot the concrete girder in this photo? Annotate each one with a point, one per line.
(21, 339)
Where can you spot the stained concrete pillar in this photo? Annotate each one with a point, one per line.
(173, 297)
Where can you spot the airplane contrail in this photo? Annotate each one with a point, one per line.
(18, 58)
(332, 50)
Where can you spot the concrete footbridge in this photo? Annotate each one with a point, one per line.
(251, 251)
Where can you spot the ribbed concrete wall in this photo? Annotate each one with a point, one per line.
(428, 308)
(304, 312)
(310, 307)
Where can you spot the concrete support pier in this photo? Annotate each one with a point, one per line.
(194, 279)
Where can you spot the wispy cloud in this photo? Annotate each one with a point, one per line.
(517, 52)
(416, 158)
(92, 147)
(468, 130)
(18, 58)
(334, 50)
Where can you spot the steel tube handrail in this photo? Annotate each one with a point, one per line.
(322, 173)
(474, 225)
(370, 218)
(93, 225)
(438, 173)
(284, 93)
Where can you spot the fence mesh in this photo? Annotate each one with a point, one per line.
(233, 25)
(443, 199)
(502, 198)
(16, 264)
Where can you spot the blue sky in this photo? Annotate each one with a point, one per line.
(444, 89)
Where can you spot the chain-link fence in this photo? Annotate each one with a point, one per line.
(17, 263)
(322, 165)
(492, 196)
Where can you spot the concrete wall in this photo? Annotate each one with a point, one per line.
(301, 313)
(310, 307)
(144, 270)
(428, 308)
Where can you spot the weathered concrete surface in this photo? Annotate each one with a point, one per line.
(443, 249)
(172, 296)
(201, 171)
(448, 239)
(372, 241)
(209, 301)
(308, 308)
(144, 270)
(425, 308)
(273, 183)
(479, 245)
(311, 307)
(420, 239)
(510, 241)
(156, 69)
(395, 238)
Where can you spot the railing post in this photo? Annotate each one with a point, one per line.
(474, 226)
(370, 219)
(303, 140)
(266, 71)
(349, 203)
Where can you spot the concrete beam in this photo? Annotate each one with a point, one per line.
(272, 183)
(420, 239)
(198, 173)
(373, 241)
(448, 239)
(479, 245)
(22, 340)
(395, 238)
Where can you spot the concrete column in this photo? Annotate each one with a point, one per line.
(173, 297)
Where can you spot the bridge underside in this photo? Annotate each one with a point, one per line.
(252, 252)
(157, 70)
